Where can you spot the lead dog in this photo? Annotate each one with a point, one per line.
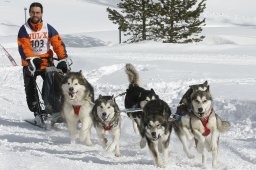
(107, 119)
(200, 123)
(77, 104)
(156, 127)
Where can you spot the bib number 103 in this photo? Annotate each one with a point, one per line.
(37, 43)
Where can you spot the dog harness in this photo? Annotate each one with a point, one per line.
(204, 121)
(107, 128)
(77, 109)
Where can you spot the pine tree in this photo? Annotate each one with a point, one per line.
(117, 18)
(178, 21)
(134, 20)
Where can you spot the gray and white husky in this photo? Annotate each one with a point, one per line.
(77, 104)
(156, 127)
(107, 119)
(137, 97)
(200, 123)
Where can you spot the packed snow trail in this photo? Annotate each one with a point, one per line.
(51, 148)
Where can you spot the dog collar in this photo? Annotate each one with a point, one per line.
(76, 109)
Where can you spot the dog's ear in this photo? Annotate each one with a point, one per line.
(194, 88)
(100, 96)
(167, 111)
(152, 90)
(205, 83)
(208, 88)
(113, 98)
(81, 74)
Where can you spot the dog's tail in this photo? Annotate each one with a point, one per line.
(222, 125)
(132, 73)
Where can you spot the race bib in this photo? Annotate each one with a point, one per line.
(39, 40)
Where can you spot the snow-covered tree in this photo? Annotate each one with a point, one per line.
(133, 18)
(172, 21)
(178, 21)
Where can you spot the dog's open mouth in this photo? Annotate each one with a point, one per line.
(201, 114)
(104, 118)
(156, 138)
(72, 94)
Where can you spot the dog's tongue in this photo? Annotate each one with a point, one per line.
(157, 137)
(201, 114)
(71, 94)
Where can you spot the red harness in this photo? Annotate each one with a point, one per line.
(106, 128)
(204, 121)
(76, 110)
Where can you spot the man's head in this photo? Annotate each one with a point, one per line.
(36, 12)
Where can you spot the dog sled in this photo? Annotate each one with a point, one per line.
(49, 98)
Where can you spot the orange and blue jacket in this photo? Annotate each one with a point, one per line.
(34, 40)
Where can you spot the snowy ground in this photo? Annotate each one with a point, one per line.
(226, 58)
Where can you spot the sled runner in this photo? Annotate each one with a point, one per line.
(32, 122)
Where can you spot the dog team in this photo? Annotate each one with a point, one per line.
(195, 120)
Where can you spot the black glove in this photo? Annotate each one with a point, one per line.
(62, 65)
(34, 64)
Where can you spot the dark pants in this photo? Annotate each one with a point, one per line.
(52, 90)
(31, 89)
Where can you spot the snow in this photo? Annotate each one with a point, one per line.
(226, 58)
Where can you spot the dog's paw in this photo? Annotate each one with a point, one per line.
(214, 164)
(160, 164)
(190, 156)
(105, 140)
(88, 143)
(72, 141)
(117, 154)
(111, 147)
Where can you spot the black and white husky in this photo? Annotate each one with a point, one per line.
(156, 127)
(199, 122)
(107, 119)
(77, 104)
(136, 97)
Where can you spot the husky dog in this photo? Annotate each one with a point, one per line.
(107, 119)
(136, 97)
(200, 123)
(77, 104)
(156, 128)
(182, 128)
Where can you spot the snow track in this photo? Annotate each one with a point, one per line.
(51, 146)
